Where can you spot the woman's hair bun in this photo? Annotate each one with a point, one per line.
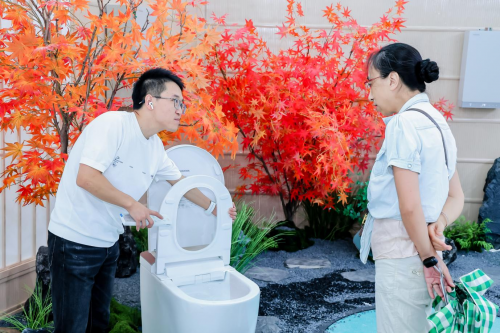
(427, 71)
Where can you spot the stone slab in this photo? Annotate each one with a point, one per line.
(267, 324)
(493, 273)
(266, 274)
(360, 275)
(307, 263)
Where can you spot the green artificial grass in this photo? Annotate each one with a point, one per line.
(123, 319)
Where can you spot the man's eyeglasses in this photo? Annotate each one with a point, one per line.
(368, 82)
(178, 104)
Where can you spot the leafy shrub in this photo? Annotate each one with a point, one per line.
(334, 223)
(123, 319)
(469, 235)
(38, 314)
(141, 240)
(250, 238)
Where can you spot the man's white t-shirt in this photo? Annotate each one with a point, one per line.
(113, 144)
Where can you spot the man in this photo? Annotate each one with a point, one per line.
(109, 169)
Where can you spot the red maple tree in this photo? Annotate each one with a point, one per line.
(303, 112)
(65, 62)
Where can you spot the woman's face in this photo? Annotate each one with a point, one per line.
(380, 92)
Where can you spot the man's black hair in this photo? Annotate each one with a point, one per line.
(153, 82)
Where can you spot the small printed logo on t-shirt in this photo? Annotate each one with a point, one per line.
(116, 161)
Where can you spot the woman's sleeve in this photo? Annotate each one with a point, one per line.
(403, 144)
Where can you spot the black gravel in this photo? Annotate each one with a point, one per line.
(303, 306)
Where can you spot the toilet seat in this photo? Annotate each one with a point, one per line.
(191, 161)
(189, 267)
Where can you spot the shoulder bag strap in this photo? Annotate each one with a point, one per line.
(439, 128)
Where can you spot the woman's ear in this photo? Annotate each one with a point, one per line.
(394, 80)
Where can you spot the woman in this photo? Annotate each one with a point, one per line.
(413, 183)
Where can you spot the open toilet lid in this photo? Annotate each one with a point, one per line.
(191, 161)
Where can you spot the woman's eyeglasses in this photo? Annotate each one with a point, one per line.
(368, 82)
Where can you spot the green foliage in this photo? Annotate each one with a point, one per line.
(141, 240)
(469, 235)
(357, 203)
(334, 223)
(123, 319)
(37, 316)
(250, 238)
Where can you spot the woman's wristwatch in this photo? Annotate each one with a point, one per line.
(430, 262)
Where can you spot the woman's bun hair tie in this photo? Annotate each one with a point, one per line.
(427, 71)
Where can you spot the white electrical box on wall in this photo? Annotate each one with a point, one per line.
(480, 73)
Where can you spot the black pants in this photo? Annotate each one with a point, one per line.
(82, 284)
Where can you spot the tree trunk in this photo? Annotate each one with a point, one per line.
(290, 209)
(64, 138)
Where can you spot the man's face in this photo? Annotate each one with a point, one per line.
(165, 111)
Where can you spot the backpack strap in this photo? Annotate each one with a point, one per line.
(439, 128)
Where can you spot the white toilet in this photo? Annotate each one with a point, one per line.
(187, 285)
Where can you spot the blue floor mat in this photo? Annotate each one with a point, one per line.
(366, 322)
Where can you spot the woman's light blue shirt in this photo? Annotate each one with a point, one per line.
(414, 143)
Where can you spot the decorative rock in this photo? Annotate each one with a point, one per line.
(266, 274)
(267, 325)
(42, 279)
(360, 275)
(451, 255)
(127, 261)
(307, 263)
(491, 204)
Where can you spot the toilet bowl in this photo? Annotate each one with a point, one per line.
(187, 285)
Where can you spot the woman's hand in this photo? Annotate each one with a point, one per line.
(433, 279)
(436, 235)
(232, 212)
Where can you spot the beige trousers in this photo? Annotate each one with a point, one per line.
(402, 302)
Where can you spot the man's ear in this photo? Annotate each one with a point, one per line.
(148, 100)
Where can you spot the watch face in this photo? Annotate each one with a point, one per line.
(429, 262)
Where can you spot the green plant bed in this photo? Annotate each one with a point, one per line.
(123, 319)
(251, 237)
(38, 315)
(469, 235)
(335, 223)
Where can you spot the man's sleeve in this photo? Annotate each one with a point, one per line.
(103, 138)
(168, 170)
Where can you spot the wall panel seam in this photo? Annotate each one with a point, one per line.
(474, 121)
(407, 28)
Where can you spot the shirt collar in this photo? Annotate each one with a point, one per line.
(420, 98)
